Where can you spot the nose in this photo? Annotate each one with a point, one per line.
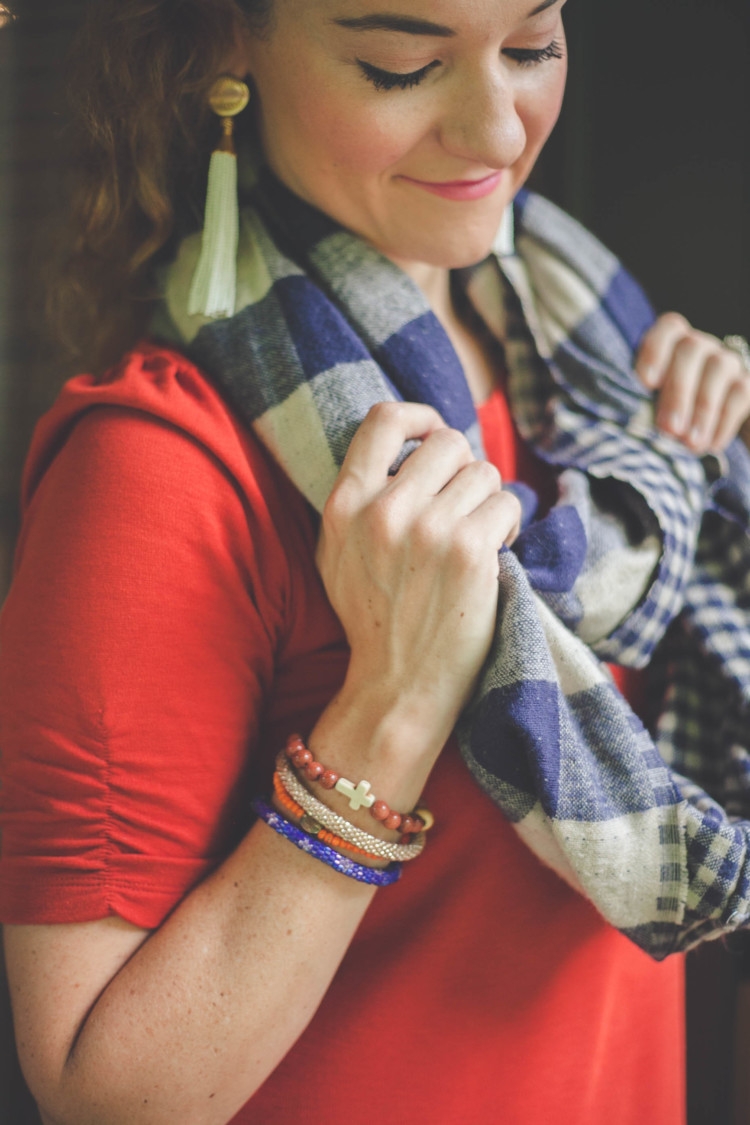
(481, 121)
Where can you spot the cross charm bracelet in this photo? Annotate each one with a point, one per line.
(359, 795)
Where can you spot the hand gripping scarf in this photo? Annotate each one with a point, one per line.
(645, 559)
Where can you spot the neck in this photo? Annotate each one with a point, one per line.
(478, 356)
(435, 283)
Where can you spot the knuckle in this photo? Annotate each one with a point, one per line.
(384, 413)
(382, 520)
(490, 474)
(401, 414)
(675, 321)
(378, 516)
(718, 361)
(687, 344)
(509, 516)
(739, 373)
(340, 505)
(428, 534)
(453, 440)
(719, 365)
(466, 546)
(512, 506)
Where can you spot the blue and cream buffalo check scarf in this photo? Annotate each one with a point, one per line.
(645, 560)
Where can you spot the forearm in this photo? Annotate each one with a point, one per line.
(214, 1000)
(204, 1009)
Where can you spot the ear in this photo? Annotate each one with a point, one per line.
(238, 62)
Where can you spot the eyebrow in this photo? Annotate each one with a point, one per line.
(383, 21)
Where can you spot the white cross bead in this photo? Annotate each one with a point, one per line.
(359, 796)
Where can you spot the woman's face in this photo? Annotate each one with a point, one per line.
(411, 122)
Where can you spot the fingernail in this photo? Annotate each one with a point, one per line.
(696, 437)
(648, 374)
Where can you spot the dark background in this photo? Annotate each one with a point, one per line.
(652, 153)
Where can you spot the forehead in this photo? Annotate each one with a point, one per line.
(457, 15)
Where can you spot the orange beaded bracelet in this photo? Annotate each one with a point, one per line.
(408, 824)
(322, 833)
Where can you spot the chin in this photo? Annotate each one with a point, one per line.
(463, 248)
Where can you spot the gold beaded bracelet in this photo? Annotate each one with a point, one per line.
(383, 849)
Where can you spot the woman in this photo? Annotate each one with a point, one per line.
(169, 959)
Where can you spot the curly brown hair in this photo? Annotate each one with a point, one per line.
(141, 140)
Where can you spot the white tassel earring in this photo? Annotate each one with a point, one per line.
(214, 288)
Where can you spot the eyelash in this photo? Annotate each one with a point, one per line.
(389, 80)
(532, 58)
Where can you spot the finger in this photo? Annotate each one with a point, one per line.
(381, 437)
(734, 414)
(473, 539)
(714, 386)
(432, 466)
(680, 386)
(467, 490)
(497, 520)
(657, 346)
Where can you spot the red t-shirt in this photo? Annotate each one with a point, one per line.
(165, 631)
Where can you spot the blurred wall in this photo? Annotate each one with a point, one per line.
(653, 150)
(7, 89)
(32, 172)
(32, 166)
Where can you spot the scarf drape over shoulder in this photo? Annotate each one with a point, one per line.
(644, 560)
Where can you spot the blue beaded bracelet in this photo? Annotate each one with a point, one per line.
(378, 877)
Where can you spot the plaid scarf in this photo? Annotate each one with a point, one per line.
(645, 559)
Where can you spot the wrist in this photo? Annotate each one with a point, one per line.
(380, 730)
(364, 735)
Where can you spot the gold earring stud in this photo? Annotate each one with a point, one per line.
(227, 98)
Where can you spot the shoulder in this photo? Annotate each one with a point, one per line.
(151, 450)
(153, 383)
(158, 403)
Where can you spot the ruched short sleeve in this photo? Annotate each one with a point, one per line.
(137, 648)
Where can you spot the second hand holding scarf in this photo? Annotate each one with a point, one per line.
(641, 559)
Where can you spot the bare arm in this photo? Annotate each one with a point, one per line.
(115, 1025)
(181, 1026)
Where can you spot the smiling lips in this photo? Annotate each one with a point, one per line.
(461, 190)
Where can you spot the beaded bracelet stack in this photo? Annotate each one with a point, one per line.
(324, 834)
(359, 796)
(349, 833)
(378, 877)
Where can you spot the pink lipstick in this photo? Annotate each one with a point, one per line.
(460, 190)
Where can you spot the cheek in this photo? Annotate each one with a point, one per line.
(541, 111)
(332, 131)
(361, 141)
